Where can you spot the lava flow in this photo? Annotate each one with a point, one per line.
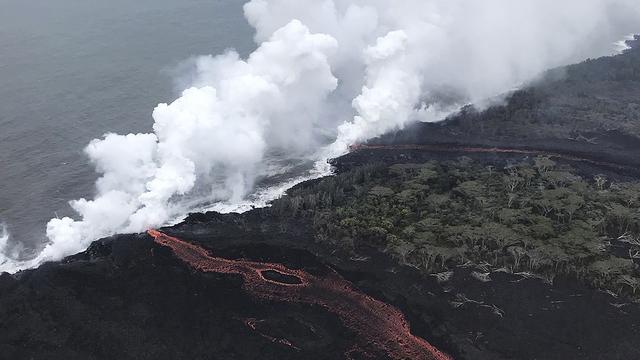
(379, 326)
(489, 150)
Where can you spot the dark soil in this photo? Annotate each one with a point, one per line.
(127, 298)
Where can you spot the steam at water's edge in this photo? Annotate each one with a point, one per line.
(326, 74)
(4, 242)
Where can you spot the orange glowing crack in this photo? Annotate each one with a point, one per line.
(380, 327)
(252, 324)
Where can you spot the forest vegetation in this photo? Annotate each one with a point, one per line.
(536, 218)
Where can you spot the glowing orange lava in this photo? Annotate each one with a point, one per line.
(380, 327)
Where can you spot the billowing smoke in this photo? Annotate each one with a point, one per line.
(325, 74)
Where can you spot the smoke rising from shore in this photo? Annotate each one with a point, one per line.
(4, 236)
(325, 74)
(5, 259)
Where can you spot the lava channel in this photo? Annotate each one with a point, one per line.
(490, 150)
(381, 327)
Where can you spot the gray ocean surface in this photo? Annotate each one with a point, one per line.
(72, 70)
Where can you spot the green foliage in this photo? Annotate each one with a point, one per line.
(536, 216)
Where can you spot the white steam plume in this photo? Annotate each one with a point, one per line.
(6, 256)
(326, 74)
(4, 238)
(218, 131)
(622, 45)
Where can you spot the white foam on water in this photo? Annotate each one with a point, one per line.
(264, 196)
(7, 261)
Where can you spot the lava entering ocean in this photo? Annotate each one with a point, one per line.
(380, 326)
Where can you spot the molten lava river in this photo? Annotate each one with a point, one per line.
(381, 326)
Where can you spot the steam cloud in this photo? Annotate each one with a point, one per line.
(4, 236)
(4, 247)
(326, 74)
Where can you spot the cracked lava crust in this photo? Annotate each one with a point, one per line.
(380, 327)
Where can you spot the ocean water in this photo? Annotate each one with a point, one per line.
(72, 70)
